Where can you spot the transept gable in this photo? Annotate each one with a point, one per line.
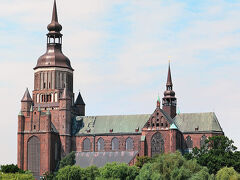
(159, 120)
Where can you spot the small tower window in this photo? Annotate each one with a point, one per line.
(44, 85)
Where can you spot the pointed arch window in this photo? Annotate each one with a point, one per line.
(33, 149)
(115, 144)
(157, 144)
(189, 142)
(100, 144)
(86, 145)
(202, 141)
(129, 144)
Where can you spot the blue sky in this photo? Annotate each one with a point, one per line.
(119, 50)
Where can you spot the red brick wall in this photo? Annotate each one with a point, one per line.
(107, 142)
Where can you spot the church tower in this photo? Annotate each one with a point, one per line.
(169, 101)
(44, 122)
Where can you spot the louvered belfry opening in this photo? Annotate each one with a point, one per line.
(34, 155)
(157, 144)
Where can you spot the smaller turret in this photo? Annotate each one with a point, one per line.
(26, 102)
(80, 105)
(169, 101)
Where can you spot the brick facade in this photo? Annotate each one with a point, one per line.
(47, 117)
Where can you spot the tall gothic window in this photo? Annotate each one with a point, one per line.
(86, 145)
(100, 144)
(189, 142)
(202, 141)
(157, 144)
(129, 144)
(56, 151)
(33, 149)
(115, 144)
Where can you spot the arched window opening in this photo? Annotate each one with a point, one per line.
(56, 97)
(51, 97)
(100, 144)
(37, 98)
(115, 144)
(33, 149)
(129, 144)
(202, 141)
(189, 142)
(157, 144)
(86, 145)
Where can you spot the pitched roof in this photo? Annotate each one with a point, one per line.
(99, 159)
(124, 124)
(79, 100)
(197, 122)
(26, 96)
(103, 124)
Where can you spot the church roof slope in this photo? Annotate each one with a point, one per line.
(197, 122)
(99, 159)
(110, 124)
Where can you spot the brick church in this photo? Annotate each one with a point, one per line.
(52, 123)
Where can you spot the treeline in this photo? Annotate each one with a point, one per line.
(217, 160)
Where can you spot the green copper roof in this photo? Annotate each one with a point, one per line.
(201, 122)
(185, 122)
(173, 126)
(116, 123)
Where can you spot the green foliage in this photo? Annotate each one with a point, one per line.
(91, 173)
(68, 160)
(119, 171)
(172, 167)
(78, 173)
(141, 160)
(11, 168)
(70, 172)
(16, 176)
(227, 174)
(218, 152)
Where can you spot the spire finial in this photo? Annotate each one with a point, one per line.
(169, 78)
(54, 26)
(158, 101)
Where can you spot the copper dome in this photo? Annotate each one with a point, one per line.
(54, 58)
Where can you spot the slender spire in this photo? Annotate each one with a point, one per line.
(54, 13)
(169, 78)
(79, 100)
(26, 96)
(54, 26)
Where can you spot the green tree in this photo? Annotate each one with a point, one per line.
(68, 160)
(119, 171)
(218, 152)
(70, 173)
(91, 173)
(11, 168)
(172, 167)
(16, 176)
(227, 174)
(141, 160)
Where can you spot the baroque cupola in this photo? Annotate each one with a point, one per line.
(54, 56)
(53, 72)
(169, 101)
